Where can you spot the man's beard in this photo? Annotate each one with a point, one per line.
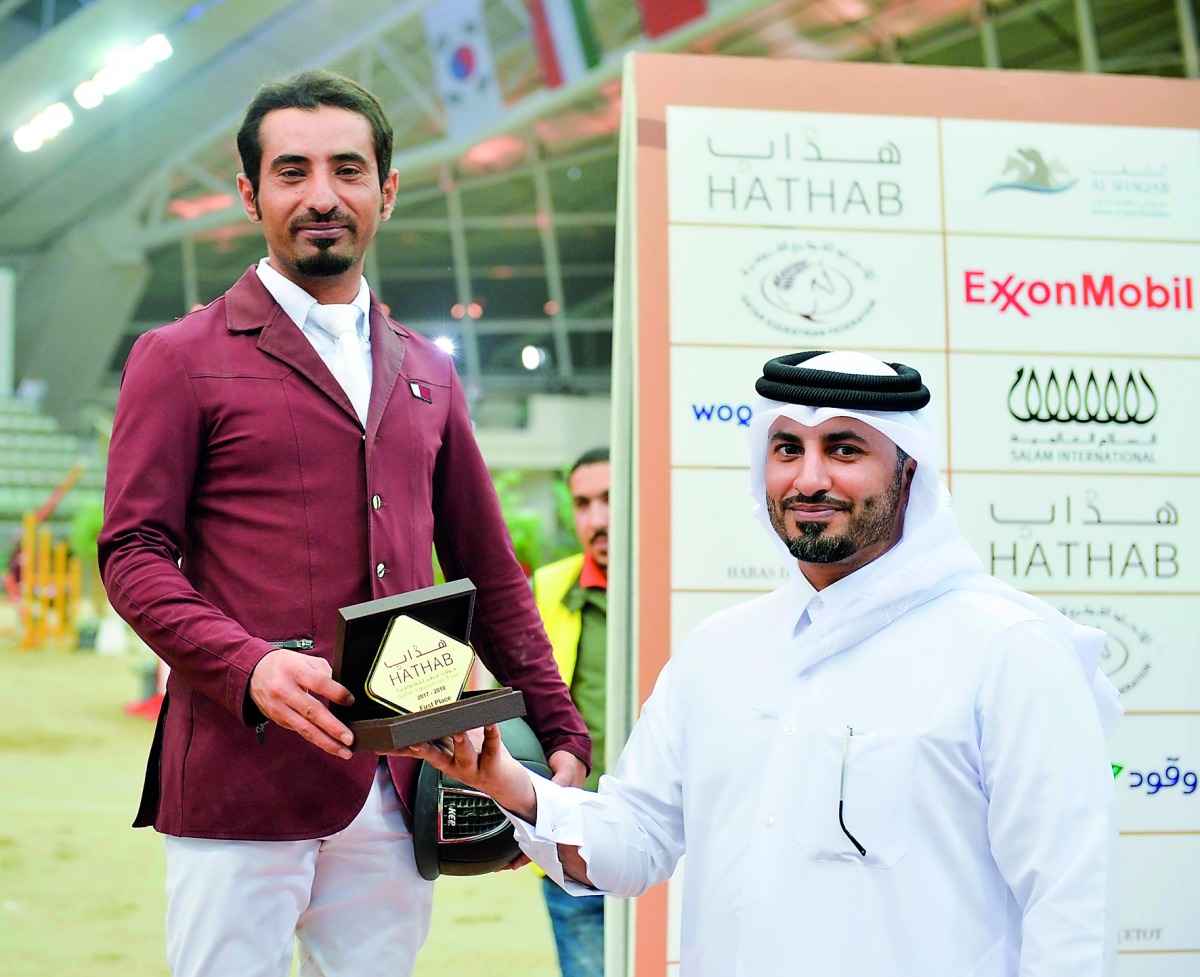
(872, 523)
(325, 263)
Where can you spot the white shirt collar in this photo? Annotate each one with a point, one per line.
(814, 606)
(296, 302)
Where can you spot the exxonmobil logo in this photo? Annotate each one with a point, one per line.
(1024, 296)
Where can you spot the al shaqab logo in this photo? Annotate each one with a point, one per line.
(1027, 170)
(1094, 401)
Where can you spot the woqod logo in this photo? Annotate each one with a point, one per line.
(1027, 170)
(1046, 399)
(808, 290)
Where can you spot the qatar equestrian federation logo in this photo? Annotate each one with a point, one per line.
(1125, 658)
(808, 290)
(1046, 398)
(1026, 169)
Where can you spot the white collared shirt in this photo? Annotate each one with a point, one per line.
(296, 302)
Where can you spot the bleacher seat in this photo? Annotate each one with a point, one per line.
(35, 456)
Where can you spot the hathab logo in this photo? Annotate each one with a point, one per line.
(808, 290)
(1046, 398)
(1026, 169)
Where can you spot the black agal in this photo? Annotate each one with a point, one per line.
(785, 379)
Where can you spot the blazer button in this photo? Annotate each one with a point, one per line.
(376, 501)
(380, 570)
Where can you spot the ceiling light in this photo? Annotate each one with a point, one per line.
(88, 94)
(27, 139)
(157, 48)
(122, 68)
(532, 357)
(114, 76)
(46, 125)
(57, 117)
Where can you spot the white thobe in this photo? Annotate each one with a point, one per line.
(976, 778)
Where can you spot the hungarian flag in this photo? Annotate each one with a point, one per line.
(562, 34)
(462, 65)
(660, 17)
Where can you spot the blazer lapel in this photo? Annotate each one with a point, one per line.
(387, 357)
(282, 339)
(251, 307)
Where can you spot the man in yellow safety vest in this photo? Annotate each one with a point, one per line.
(573, 601)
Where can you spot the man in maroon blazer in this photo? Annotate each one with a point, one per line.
(265, 470)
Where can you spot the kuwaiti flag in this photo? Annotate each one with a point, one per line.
(663, 16)
(562, 34)
(463, 70)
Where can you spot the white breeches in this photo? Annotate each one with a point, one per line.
(353, 901)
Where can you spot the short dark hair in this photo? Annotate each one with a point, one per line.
(593, 456)
(310, 90)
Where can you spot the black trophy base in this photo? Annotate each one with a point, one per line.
(473, 710)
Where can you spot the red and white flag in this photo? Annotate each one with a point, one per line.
(660, 17)
(463, 70)
(566, 45)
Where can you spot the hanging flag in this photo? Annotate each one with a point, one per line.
(463, 71)
(562, 35)
(660, 17)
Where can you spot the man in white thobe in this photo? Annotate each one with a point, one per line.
(892, 766)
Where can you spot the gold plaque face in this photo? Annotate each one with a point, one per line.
(418, 667)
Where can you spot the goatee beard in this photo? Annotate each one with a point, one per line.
(324, 264)
(871, 522)
(812, 546)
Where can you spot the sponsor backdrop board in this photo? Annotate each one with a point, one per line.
(1030, 242)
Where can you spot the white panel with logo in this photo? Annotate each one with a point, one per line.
(1032, 178)
(1075, 413)
(712, 398)
(1083, 534)
(1156, 763)
(788, 169)
(1120, 297)
(802, 289)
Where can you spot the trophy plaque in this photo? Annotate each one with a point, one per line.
(406, 661)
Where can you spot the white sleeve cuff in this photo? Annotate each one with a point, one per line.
(558, 823)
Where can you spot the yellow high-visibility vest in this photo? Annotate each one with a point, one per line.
(563, 625)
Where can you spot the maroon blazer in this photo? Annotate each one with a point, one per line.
(245, 504)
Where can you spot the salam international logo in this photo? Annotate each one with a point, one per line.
(1027, 170)
(1046, 398)
(808, 290)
